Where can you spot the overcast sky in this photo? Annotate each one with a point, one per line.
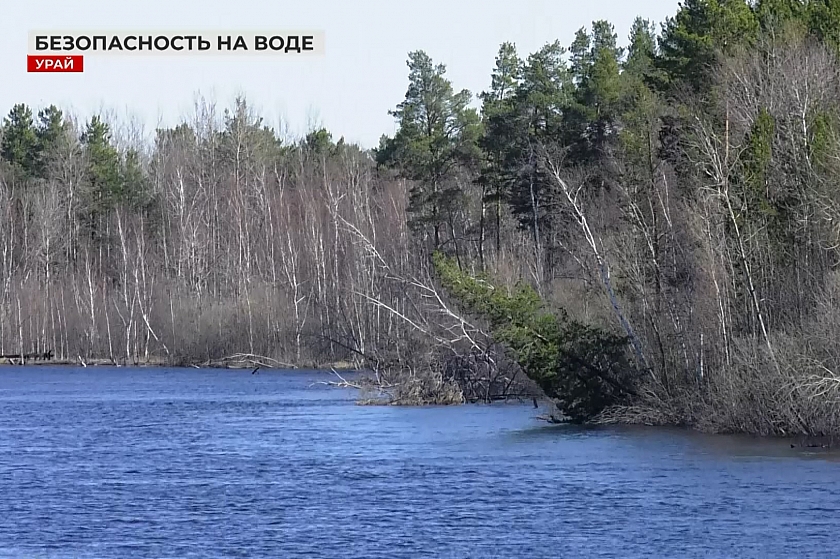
(349, 90)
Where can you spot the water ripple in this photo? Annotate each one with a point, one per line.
(156, 463)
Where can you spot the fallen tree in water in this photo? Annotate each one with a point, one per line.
(434, 367)
(590, 376)
(448, 380)
(582, 369)
(439, 357)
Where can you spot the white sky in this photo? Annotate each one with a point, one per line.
(349, 90)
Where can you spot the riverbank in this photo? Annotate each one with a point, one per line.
(238, 361)
(431, 389)
(393, 386)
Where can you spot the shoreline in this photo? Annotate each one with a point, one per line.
(799, 441)
(157, 362)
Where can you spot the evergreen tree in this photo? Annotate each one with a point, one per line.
(640, 106)
(19, 144)
(245, 136)
(541, 102)
(823, 19)
(641, 52)
(585, 370)
(702, 29)
(103, 164)
(500, 127)
(580, 55)
(599, 88)
(51, 133)
(437, 133)
(774, 15)
(319, 142)
(136, 190)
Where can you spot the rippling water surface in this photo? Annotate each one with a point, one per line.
(103, 462)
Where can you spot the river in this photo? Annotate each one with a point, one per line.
(140, 462)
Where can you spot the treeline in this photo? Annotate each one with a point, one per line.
(650, 233)
(223, 242)
(218, 239)
(676, 203)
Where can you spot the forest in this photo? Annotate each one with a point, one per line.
(640, 234)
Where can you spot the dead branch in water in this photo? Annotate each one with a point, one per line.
(245, 360)
(444, 358)
(365, 385)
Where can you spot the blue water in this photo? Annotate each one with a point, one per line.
(106, 462)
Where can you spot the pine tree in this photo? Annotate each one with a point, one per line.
(19, 144)
(541, 105)
(702, 29)
(599, 87)
(437, 133)
(103, 164)
(641, 51)
(51, 133)
(500, 126)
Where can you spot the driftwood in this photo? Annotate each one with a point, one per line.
(341, 383)
(248, 360)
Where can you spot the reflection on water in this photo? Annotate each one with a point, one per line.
(102, 462)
